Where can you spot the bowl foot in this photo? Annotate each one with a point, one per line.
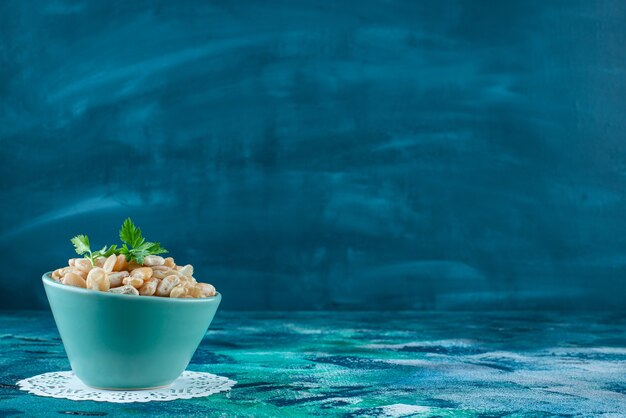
(146, 388)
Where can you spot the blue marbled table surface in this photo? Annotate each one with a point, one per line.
(364, 364)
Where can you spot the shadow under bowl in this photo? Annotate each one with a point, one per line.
(127, 342)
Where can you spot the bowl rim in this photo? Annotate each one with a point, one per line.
(48, 281)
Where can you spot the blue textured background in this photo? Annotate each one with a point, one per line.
(308, 155)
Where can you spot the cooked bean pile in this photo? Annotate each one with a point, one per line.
(157, 276)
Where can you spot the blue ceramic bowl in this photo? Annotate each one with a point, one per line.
(124, 341)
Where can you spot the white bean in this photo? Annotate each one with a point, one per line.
(73, 279)
(135, 282)
(142, 273)
(186, 271)
(98, 280)
(79, 272)
(120, 264)
(206, 289)
(149, 287)
(110, 263)
(178, 291)
(116, 278)
(83, 264)
(125, 290)
(153, 260)
(161, 274)
(167, 284)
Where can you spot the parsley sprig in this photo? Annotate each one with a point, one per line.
(134, 247)
(81, 245)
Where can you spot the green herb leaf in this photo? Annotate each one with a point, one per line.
(135, 247)
(105, 251)
(81, 244)
(130, 234)
(155, 248)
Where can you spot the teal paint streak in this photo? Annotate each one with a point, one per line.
(365, 364)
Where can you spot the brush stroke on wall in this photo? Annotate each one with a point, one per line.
(313, 155)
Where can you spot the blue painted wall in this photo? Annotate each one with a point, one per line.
(308, 155)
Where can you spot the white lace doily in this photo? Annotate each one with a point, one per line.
(66, 385)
